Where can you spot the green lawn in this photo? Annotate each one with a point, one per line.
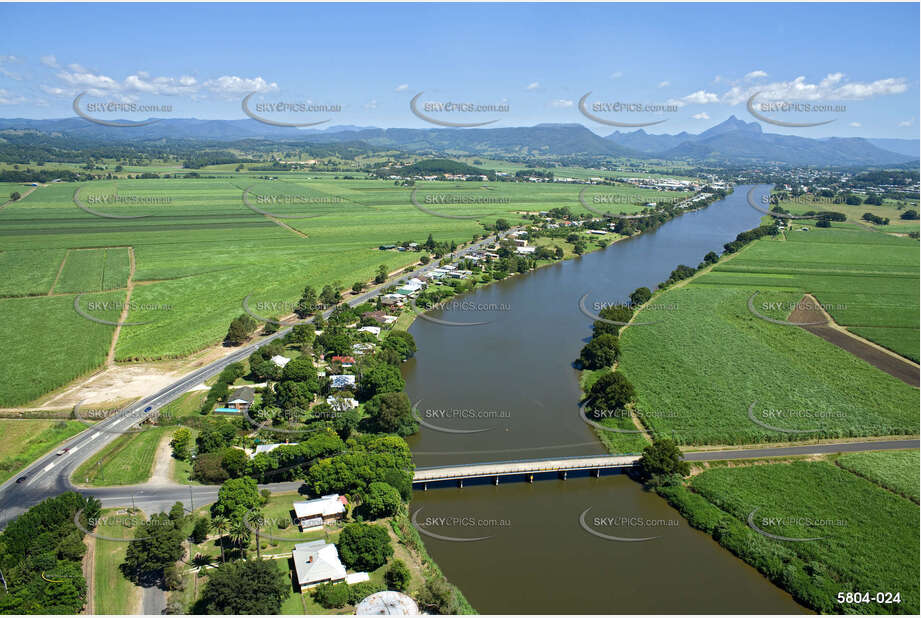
(114, 594)
(703, 366)
(866, 538)
(127, 460)
(895, 470)
(22, 441)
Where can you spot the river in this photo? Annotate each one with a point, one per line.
(507, 389)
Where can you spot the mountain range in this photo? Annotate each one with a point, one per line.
(731, 141)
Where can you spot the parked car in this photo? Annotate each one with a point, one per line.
(21, 479)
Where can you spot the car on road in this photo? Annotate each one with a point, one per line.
(148, 408)
(63, 451)
(21, 479)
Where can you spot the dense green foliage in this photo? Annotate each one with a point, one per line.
(250, 587)
(894, 470)
(45, 540)
(364, 547)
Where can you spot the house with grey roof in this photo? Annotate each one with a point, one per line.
(317, 562)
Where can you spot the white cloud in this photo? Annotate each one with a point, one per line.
(54, 90)
(755, 75)
(855, 124)
(833, 87)
(701, 116)
(372, 104)
(617, 74)
(665, 84)
(50, 61)
(561, 103)
(401, 88)
(8, 98)
(701, 97)
(232, 85)
(161, 85)
(533, 86)
(907, 123)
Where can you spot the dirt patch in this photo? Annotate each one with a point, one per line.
(118, 384)
(809, 310)
(162, 474)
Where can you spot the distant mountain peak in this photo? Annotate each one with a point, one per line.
(732, 124)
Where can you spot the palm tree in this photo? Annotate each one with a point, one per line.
(240, 534)
(220, 524)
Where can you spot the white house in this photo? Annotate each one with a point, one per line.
(317, 562)
(268, 448)
(362, 348)
(280, 360)
(374, 330)
(525, 249)
(393, 299)
(342, 404)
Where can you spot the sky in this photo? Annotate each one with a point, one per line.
(528, 63)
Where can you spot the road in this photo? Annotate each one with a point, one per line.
(50, 475)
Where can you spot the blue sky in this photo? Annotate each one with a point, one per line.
(705, 60)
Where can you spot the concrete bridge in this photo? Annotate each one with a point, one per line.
(523, 469)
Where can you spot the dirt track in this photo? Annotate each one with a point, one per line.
(809, 310)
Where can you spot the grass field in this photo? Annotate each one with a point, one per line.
(866, 536)
(890, 209)
(708, 361)
(22, 441)
(895, 470)
(199, 250)
(114, 594)
(127, 460)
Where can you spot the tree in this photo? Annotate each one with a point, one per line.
(909, 215)
(381, 275)
(611, 392)
(220, 524)
(437, 596)
(429, 244)
(397, 576)
(303, 334)
(382, 500)
(330, 295)
(181, 443)
(392, 413)
(823, 223)
(661, 458)
(240, 329)
(302, 370)
(236, 498)
(381, 378)
(613, 313)
(600, 352)
(14, 196)
(290, 395)
(640, 296)
(364, 547)
(307, 303)
(234, 461)
(251, 587)
(711, 258)
(401, 342)
(200, 530)
(157, 544)
(331, 595)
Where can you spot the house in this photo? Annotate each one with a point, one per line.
(520, 242)
(597, 232)
(240, 400)
(362, 348)
(342, 381)
(374, 330)
(525, 250)
(280, 360)
(345, 361)
(323, 509)
(393, 299)
(317, 562)
(342, 404)
(378, 316)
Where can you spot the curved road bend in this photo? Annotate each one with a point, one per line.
(50, 475)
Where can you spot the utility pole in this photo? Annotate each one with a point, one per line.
(5, 589)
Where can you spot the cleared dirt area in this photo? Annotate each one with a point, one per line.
(809, 310)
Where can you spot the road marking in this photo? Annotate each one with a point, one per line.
(95, 435)
(48, 467)
(74, 449)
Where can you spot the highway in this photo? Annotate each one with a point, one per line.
(50, 475)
